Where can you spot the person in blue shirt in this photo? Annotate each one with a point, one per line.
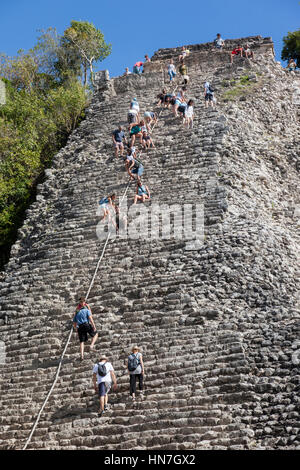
(142, 193)
(118, 136)
(84, 324)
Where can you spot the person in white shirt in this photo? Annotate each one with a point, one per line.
(189, 114)
(103, 376)
(219, 42)
(135, 105)
(133, 115)
(171, 70)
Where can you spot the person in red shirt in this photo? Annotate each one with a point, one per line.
(236, 51)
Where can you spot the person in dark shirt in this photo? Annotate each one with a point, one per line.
(118, 136)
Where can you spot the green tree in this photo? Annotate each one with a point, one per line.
(56, 57)
(89, 43)
(20, 70)
(45, 101)
(291, 48)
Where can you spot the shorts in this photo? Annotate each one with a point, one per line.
(209, 97)
(135, 132)
(181, 109)
(118, 144)
(83, 331)
(104, 205)
(104, 388)
(138, 171)
(131, 118)
(218, 46)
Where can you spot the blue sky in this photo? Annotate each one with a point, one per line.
(136, 29)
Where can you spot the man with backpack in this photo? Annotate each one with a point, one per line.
(135, 367)
(84, 324)
(209, 94)
(103, 376)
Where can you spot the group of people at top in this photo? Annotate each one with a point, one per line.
(219, 44)
(104, 377)
(238, 51)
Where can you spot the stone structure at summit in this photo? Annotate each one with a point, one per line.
(217, 323)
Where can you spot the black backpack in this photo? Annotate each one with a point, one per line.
(133, 362)
(102, 369)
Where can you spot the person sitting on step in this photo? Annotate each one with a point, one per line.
(103, 376)
(135, 366)
(237, 51)
(185, 53)
(84, 324)
(247, 52)
(147, 142)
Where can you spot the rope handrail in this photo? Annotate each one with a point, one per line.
(71, 330)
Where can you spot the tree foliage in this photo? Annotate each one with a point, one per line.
(85, 40)
(291, 48)
(45, 102)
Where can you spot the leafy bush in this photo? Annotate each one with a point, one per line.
(33, 126)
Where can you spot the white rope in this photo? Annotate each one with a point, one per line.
(69, 339)
(71, 330)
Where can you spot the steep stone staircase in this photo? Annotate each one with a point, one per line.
(178, 303)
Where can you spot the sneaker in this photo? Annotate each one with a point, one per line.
(105, 407)
(100, 413)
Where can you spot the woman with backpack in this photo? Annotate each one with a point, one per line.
(135, 367)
